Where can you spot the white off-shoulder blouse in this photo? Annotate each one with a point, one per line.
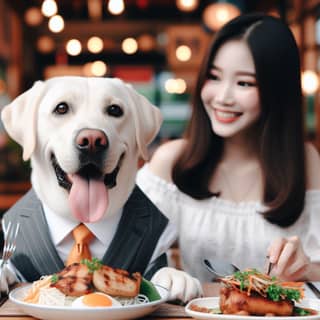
(216, 228)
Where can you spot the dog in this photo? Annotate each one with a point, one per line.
(84, 137)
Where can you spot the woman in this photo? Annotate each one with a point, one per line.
(242, 185)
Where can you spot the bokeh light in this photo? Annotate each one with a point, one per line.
(56, 24)
(129, 45)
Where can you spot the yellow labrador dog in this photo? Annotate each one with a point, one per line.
(84, 137)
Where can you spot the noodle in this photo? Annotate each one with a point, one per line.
(34, 292)
(51, 297)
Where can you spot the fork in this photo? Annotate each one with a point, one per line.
(270, 265)
(10, 235)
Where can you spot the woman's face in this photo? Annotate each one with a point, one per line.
(230, 94)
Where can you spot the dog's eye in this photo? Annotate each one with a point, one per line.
(61, 108)
(114, 110)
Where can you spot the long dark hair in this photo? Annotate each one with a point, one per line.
(280, 127)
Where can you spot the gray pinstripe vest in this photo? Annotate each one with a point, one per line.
(137, 235)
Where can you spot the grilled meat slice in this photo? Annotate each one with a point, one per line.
(73, 286)
(233, 301)
(117, 282)
(74, 280)
(78, 270)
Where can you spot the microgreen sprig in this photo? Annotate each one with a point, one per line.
(277, 293)
(242, 277)
(54, 278)
(93, 264)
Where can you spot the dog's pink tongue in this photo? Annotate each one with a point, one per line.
(88, 199)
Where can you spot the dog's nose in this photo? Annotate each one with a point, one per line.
(92, 140)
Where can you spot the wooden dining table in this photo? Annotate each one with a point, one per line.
(166, 311)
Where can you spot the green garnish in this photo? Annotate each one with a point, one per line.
(242, 277)
(148, 289)
(276, 293)
(300, 311)
(54, 278)
(93, 264)
(292, 294)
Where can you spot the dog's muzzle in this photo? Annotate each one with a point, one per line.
(92, 146)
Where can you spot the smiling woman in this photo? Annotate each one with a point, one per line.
(242, 184)
(230, 94)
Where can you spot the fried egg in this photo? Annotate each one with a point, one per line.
(96, 299)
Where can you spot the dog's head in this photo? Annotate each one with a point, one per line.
(84, 137)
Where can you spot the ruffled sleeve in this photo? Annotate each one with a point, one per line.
(163, 194)
(311, 225)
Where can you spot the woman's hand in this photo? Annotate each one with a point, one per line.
(289, 259)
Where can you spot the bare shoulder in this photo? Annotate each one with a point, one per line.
(164, 158)
(312, 167)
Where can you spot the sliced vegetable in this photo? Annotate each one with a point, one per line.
(147, 288)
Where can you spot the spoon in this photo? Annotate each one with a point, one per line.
(220, 268)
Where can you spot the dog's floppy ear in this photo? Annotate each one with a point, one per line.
(147, 120)
(19, 118)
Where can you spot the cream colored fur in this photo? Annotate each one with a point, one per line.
(30, 120)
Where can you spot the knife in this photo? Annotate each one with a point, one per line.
(314, 289)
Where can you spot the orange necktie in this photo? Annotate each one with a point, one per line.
(80, 250)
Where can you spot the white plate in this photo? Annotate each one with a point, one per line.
(97, 313)
(213, 302)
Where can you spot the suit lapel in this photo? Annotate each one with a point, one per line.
(35, 237)
(137, 234)
(129, 234)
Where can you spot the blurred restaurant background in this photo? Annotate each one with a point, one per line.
(156, 45)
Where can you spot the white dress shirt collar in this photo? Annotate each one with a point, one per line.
(60, 227)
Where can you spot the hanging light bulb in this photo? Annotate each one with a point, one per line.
(309, 82)
(98, 68)
(95, 44)
(187, 5)
(181, 86)
(183, 53)
(175, 86)
(129, 46)
(73, 47)
(49, 8)
(56, 24)
(116, 7)
(217, 14)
